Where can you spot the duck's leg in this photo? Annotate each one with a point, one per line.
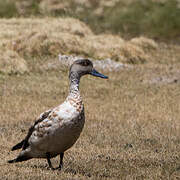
(49, 161)
(61, 161)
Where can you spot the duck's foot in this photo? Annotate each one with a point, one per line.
(49, 161)
(60, 164)
(58, 168)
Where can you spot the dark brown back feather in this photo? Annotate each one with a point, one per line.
(24, 143)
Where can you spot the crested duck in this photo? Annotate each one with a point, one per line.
(57, 129)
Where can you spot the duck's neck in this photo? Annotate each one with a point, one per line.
(74, 84)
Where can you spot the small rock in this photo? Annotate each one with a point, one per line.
(106, 64)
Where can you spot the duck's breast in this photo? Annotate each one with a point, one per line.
(59, 131)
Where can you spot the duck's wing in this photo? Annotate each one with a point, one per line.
(24, 143)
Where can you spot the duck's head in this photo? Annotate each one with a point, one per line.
(82, 67)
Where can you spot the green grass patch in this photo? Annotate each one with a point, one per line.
(7, 9)
(155, 19)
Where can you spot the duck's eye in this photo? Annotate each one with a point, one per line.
(85, 63)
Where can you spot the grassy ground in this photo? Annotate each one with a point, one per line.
(132, 125)
(47, 37)
(153, 18)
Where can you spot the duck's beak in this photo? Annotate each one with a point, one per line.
(97, 74)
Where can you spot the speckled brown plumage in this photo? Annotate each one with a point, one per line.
(57, 129)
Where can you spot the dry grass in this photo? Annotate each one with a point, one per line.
(12, 63)
(51, 36)
(114, 16)
(132, 125)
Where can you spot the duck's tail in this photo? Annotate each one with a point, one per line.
(18, 146)
(19, 159)
(22, 157)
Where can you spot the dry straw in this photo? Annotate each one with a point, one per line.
(11, 62)
(52, 36)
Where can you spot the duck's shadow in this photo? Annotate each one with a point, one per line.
(67, 170)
